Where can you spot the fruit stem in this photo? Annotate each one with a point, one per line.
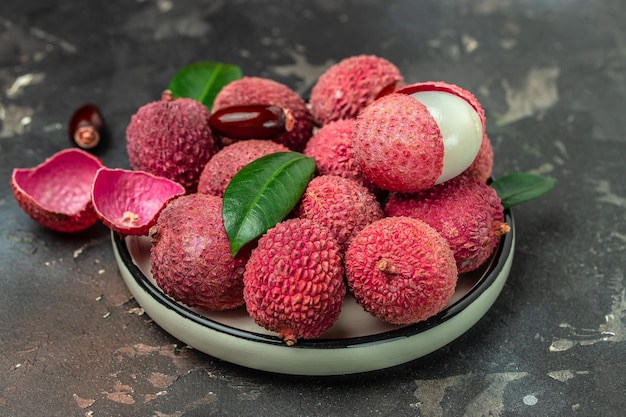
(501, 228)
(167, 95)
(385, 265)
(288, 336)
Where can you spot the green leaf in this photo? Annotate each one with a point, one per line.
(262, 193)
(203, 80)
(520, 187)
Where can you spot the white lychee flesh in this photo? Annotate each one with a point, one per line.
(460, 126)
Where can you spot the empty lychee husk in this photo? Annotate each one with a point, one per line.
(57, 193)
(129, 202)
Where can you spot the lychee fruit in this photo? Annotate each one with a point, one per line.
(342, 205)
(350, 85)
(129, 202)
(465, 211)
(294, 281)
(57, 192)
(171, 138)
(257, 90)
(229, 160)
(400, 270)
(407, 143)
(331, 146)
(190, 254)
(398, 145)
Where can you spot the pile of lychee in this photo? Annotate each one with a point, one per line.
(398, 207)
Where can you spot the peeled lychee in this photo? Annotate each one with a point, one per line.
(256, 90)
(465, 211)
(190, 254)
(129, 202)
(171, 138)
(482, 166)
(220, 169)
(398, 144)
(350, 85)
(294, 280)
(57, 192)
(400, 270)
(341, 204)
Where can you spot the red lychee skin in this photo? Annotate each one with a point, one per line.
(465, 211)
(400, 270)
(482, 166)
(229, 160)
(294, 280)
(129, 202)
(257, 90)
(171, 138)
(57, 192)
(191, 257)
(350, 85)
(342, 205)
(398, 144)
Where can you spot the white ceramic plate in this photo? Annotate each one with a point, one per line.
(356, 343)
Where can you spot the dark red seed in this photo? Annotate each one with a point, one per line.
(86, 126)
(251, 121)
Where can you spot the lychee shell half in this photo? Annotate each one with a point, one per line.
(190, 254)
(350, 85)
(341, 204)
(400, 270)
(257, 90)
(482, 166)
(229, 160)
(398, 145)
(294, 280)
(171, 138)
(129, 202)
(57, 193)
(465, 211)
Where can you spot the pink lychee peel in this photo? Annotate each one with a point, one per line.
(129, 202)
(57, 192)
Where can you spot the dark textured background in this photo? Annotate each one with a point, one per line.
(552, 78)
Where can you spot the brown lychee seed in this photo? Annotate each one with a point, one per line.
(251, 90)
(398, 145)
(342, 205)
(294, 282)
(400, 270)
(465, 211)
(251, 121)
(350, 85)
(171, 138)
(57, 192)
(190, 254)
(223, 166)
(129, 202)
(86, 126)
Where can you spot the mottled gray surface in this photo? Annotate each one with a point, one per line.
(552, 78)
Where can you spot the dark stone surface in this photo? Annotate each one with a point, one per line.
(552, 78)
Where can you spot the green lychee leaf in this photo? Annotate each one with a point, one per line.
(519, 187)
(262, 193)
(202, 81)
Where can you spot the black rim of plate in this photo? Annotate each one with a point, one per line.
(492, 270)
